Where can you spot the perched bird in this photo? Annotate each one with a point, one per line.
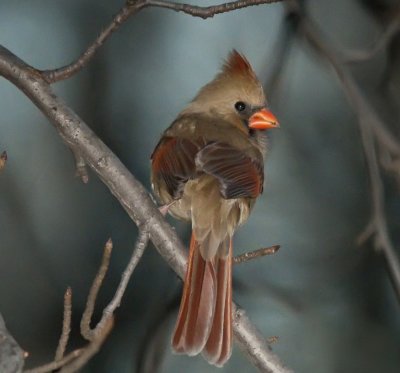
(208, 167)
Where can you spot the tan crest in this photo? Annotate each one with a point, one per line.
(236, 63)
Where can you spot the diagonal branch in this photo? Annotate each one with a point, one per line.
(132, 7)
(130, 193)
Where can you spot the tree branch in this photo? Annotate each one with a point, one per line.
(80, 167)
(66, 328)
(141, 244)
(132, 7)
(12, 357)
(373, 130)
(55, 75)
(86, 330)
(130, 193)
(56, 364)
(108, 312)
(206, 11)
(382, 42)
(255, 254)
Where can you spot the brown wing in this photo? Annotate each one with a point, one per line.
(239, 175)
(176, 160)
(173, 163)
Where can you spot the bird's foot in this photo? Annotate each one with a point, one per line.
(164, 209)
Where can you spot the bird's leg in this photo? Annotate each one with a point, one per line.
(164, 208)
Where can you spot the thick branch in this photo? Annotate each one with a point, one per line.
(130, 193)
(11, 355)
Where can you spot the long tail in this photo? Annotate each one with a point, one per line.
(205, 316)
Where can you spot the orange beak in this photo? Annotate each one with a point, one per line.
(262, 120)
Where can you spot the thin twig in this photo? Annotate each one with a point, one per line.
(3, 160)
(255, 254)
(379, 228)
(55, 75)
(133, 197)
(131, 8)
(54, 365)
(86, 331)
(140, 246)
(66, 327)
(372, 129)
(91, 349)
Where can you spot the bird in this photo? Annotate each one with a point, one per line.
(208, 168)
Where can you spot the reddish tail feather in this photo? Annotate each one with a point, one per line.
(205, 316)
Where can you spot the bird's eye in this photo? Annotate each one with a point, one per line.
(240, 106)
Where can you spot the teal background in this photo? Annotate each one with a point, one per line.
(329, 302)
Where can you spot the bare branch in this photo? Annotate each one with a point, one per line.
(66, 328)
(137, 253)
(372, 129)
(67, 71)
(207, 11)
(131, 8)
(255, 254)
(130, 193)
(86, 331)
(12, 357)
(383, 41)
(3, 160)
(92, 348)
(56, 364)
(254, 345)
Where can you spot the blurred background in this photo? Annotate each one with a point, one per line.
(329, 302)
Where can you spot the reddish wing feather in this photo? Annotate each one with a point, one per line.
(173, 162)
(177, 160)
(239, 175)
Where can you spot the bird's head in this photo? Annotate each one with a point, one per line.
(236, 95)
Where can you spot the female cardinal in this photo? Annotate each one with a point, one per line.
(208, 167)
